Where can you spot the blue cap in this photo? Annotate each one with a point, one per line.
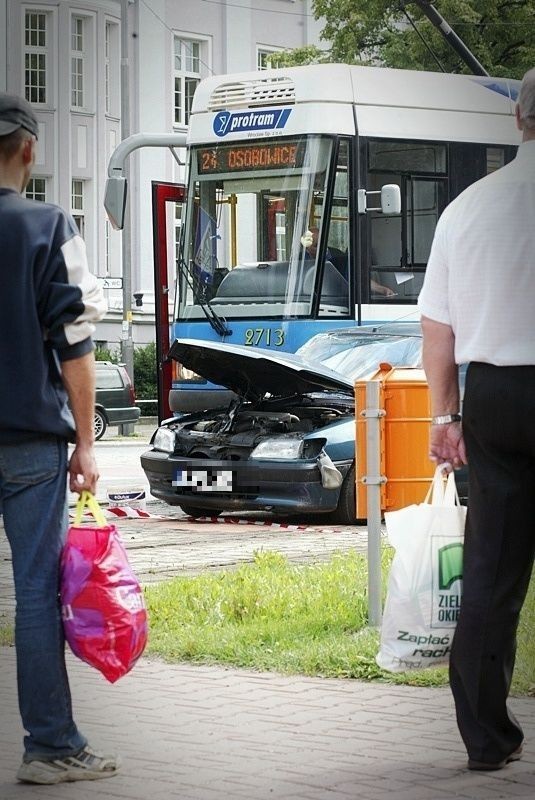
(15, 113)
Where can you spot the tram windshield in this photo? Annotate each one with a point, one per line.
(254, 215)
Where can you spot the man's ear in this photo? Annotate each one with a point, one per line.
(519, 123)
(28, 150)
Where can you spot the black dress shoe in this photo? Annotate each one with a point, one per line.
(494, 765)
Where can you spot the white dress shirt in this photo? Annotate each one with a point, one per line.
(480, 277)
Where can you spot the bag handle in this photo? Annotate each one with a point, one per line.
(435, 495)
(87, 500)
(451, 495)
(442, 491)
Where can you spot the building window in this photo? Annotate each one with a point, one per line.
(77, 34)
(262, 59)
(77, 62)
(107, 62)
(107, 258)
(35, 56)
(77, 204)
(112, 79)
(187, 75)
(36, 189)
(262, 56)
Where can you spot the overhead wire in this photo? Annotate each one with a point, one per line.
(263, 10)
(188, 47)
(426, 44)
(174, 32)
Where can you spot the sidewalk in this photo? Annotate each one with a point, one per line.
(190, 732)
(207, 733)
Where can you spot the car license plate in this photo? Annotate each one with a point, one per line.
(204, 480)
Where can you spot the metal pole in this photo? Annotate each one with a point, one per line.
(373, 480)
(119, 156)
(127, 345)
(233, 231)
(450, 36)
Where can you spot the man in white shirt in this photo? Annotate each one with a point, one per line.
(477, 305)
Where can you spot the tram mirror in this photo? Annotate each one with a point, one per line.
(115, 201)
(390, 199)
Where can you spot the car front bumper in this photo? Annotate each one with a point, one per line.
(122, 416)
(283, 486)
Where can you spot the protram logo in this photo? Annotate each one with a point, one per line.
(238, 122)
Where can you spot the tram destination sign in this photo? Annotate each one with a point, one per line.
(246, 157)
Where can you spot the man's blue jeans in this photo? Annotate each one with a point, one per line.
(33, 492)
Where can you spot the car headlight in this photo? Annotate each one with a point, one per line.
(278, 448)
(164, 440)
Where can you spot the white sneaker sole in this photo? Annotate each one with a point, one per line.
(50, 773)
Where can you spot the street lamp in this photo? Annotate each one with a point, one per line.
(127, 344)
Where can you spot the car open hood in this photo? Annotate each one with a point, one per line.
(252, 372)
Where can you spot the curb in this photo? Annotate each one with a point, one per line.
(123, 440)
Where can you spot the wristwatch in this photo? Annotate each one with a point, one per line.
(445, 419)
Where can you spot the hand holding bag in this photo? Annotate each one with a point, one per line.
(103, 607)
(425, 582)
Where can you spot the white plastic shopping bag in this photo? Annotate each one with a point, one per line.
(425, 583)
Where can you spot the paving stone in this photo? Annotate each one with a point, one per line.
(190, 732)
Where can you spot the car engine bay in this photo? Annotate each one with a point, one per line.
(233, 433)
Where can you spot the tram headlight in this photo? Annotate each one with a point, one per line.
(164, 440)
(280, 447)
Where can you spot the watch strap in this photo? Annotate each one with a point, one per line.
(445, 419)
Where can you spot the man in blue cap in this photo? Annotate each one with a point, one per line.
(49, 301)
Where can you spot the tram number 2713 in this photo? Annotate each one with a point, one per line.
(267, 337)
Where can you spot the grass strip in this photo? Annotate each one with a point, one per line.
(294, 619)
(308, 619)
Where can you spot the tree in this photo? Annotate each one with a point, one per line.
(105, 354)
(500, 33)
(298, 57)
(146, 373)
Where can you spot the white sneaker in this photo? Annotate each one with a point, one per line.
(87, 765)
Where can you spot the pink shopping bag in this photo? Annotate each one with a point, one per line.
(103, 608)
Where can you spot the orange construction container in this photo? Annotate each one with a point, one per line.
(404, 437)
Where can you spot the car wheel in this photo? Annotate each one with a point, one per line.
(193, 511)
(99, 424)
(345, 513)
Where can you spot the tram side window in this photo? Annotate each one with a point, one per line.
(334, 298)
(399, 246)
(495, 158)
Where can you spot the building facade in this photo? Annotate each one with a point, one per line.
(65, 57)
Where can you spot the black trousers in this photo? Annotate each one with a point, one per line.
(499, 431)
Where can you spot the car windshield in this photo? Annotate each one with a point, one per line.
(357, 357)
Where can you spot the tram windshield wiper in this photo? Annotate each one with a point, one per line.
(219, 324)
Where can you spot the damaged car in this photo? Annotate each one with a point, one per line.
(286, 442)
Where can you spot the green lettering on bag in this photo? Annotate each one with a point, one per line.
(450, 565)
